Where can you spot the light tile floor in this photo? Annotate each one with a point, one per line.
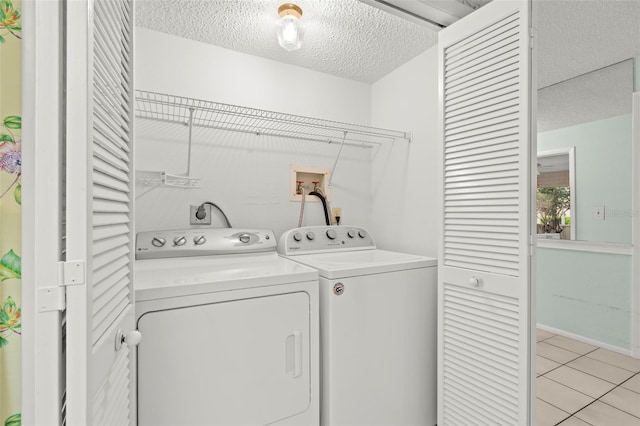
(580, 385)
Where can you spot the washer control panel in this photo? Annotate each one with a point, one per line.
(322, 239)
(203, 242)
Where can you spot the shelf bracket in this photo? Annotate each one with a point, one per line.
(189, 149)
(333, 169)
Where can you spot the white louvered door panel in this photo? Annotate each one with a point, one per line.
(100, 381)
(484, 269)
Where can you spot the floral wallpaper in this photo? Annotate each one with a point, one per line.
(10, 221)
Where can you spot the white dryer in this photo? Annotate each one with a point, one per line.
(229, 330)
(377, 327)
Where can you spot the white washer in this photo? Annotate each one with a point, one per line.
(229, 330)
(377, 327)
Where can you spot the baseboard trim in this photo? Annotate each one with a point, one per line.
(583, 339)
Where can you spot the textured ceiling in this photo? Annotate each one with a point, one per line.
(350, 39)
(593, 96)
(346, 38)
(578, 36)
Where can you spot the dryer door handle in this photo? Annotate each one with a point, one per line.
(294, 353)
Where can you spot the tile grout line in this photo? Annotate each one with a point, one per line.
(619, 386)
(585, 354)
(616, 386)
(563, 384)
(566, 349)
(636, 374)
(592, 402)
(614, 365)
(588, 374)
(633, 374)
(548, 378)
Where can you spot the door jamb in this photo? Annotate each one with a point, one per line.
(42, 359)
(635, 226)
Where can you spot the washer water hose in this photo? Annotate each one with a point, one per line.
(301, 207)
(201, 212)
(324, 205)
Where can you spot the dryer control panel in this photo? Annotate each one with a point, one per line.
(203, 242)
(324, 239)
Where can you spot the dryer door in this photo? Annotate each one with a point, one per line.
(236, 362)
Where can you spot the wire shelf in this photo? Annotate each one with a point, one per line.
(215, 115)
(152, 177)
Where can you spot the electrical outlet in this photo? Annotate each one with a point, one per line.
(206, 220)
(597, 213)
(335, 213)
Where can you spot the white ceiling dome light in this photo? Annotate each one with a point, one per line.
(289, 29)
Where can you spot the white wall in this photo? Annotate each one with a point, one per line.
(166, 63)
(246, 175)
(405, 174)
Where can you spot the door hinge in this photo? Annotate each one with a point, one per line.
(532, 245)
(71, 272)
(532, 37)
(51, 298)
(54, 298)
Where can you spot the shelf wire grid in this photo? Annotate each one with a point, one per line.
(215, 115)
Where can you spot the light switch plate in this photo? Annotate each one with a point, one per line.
(597, 213)
(193, 220)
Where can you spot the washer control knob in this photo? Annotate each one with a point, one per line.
(311, 236)
(244, 238)
(180, 241)
(158, 241)
(199, 240)
(297, 236)
(362, 234)
(351, 233)
(332, 234)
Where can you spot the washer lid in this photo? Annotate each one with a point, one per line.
(163, 278)
(354, 263)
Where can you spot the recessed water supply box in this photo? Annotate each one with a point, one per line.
(307, 178)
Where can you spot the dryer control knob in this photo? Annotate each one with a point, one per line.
(311, 236)
(332, 234)
(199, 240)
(244, 238)
(362, 234)
(158, 241)
(297, 236)
(180, 241)
(351, 233)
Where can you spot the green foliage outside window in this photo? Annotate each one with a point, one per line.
(552, 204)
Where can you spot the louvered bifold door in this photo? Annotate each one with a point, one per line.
(484, 260)
(99, 268)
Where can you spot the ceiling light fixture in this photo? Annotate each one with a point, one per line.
(289, 29)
